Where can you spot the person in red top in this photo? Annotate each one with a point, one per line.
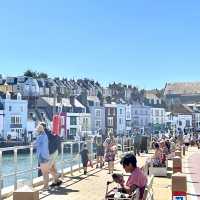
(137, 179)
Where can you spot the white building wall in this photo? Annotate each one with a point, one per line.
(1, 123)
(121, 118)
(184, 121)
(157, 115)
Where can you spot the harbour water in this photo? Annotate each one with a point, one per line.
(24, 163)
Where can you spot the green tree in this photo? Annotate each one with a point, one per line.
(42, 75)
(30, 73)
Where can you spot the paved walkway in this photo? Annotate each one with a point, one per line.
(191, 167)
(93, 186)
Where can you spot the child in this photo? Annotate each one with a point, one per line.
(85, 157)
(100, 151)
(137, 179)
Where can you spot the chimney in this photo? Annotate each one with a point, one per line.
(72, 100)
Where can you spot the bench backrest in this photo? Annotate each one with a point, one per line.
(148, 189)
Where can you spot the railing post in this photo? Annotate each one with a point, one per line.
(91, 147)
(1, 176)
(79, 160)
(62, 160)
(31, 161)
(15, 165)
(71, 145)
(122, 145)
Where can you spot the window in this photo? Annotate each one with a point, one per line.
(85, 121)
(17, 130)
(98, 113)
(128, 115)
(10, 108)
(157, 121)
(110, 121)
(98, 124)
(121, 111)
(136, 112)
(72, 131)
(73, 120)
(146, 121)
(109, 111)
(110, 130)
(120, 121)
(180, 123)
(62, 120)
(16, 120)
(156, 113)
(113, 111)
(188, 123)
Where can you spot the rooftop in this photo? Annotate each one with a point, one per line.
(182, 88)
(50, 100)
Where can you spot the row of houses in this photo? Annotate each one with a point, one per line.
(35, 87)
(82, 115)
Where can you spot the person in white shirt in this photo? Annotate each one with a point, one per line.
(186, 140)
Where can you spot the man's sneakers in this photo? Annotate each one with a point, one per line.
(58, 183)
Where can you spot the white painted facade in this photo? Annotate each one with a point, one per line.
(121, 119)
(78, 124)
(85, 124)
(1, 122)
(128, 118)
(157, 115)
(184, 121)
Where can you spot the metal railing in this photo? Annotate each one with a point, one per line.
(64, 162)
(70, 161)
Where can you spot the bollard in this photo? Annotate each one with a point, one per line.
(179, 186)
(178, 153)
(177, 164)
(183, 150)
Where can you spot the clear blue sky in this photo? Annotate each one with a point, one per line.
(142, 42)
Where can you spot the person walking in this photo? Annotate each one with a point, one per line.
(99, 151)
(54, 146)
(110, 151)
(84, 158)
(137, 144)
(186, 140)
(43, 154)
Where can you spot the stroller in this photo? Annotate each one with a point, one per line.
(119, 194)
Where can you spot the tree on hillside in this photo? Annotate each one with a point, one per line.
(35, 74)
(30, 73)
(42, 75)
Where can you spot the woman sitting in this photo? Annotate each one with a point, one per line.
(158, 156)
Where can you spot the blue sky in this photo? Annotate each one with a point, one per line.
(145, 43)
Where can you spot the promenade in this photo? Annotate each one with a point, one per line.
(93, 185)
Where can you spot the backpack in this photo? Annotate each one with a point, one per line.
(54, 142)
